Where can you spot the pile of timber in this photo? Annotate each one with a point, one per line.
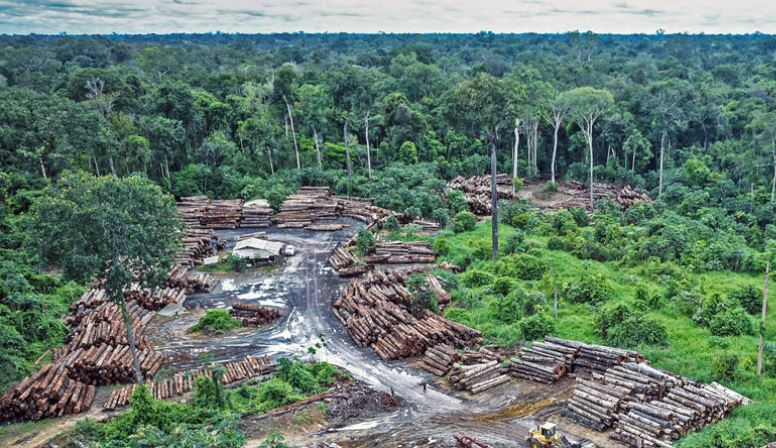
(256, 213)
(306, 206)
(375, 308)
(426, 226)
(346, 263)
(105, 325)
(477, 378)
(183, 382)
(108, 364)
(439, 359)
(465, 441)
(181, 277)
(49, 392)
(591, 358)
(401, 252)
(222, 214)
(361, 209)
(191, 208)
(196, 246)
(685, 408)
(253, 314)
(624, 195)
(543, 362)
(477, 192)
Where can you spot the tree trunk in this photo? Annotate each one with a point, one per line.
(42, 168)
(494, 198)
(368, 154)
(662, 152)
(97, 166)
(347, 155)
(515, 153)
(317, 149)
(112, 167)
(536, 147)
(762, 321)
(130, 339)
(166, 166)
(555, 302)
(633, 161)
(293, 133)
(773, 183)
(590, 147)
(554, 151)
(269, 156)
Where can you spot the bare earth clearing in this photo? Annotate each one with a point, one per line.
(361, 414)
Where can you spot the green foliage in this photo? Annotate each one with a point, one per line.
(516, 243)
(442, 246)
(441, 215)
(391, 224)
(365, 240)
(750, 298)
(455, 201)
(464, 221)
(215, 321)
(734, 322)
(309, 378)
(590, 288)
(536, 327)
(621, 326)
(725, 366)
(236, 264)
(422, 298)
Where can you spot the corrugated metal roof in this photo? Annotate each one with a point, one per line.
(273, 247)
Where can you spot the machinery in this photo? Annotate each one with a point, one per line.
(547, 436)
(543, 436)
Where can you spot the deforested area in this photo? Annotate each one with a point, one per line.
(390, 240)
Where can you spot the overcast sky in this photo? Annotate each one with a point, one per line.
(369, 16)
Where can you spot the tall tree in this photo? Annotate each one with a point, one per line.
(555, 114)
(667, 105)
(586, 106)
(124, 231)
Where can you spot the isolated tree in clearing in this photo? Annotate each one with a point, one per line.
(123, 231)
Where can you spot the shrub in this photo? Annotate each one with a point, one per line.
(391, 224)
(413, 212)
(580, 216)
(536, 327)
(455, 200)
(476, 278)
(441, 215)
(502, 285)
(442, 246)
(555, 243)
(563, 223)
(527, 267)
(550, 187)
(365, 240)
(621, 326)
(216, 321)
(464, 222)
(725, 367)
(750, 298)
(590, 288)
(236, 264)
(733, 322)
(516, 243)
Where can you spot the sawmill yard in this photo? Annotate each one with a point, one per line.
(437, 344)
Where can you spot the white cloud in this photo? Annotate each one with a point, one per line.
(369, 16)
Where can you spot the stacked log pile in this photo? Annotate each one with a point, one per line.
(683, 409)
(196, 246)
(375, 310)
(624, 195)
(346, 263)
(306, 206)
(191, 208)
(544, 362)
(256, 213)
(478, 378)
(476, 190)
(49, 392)
(108, 364)
(401, 252)
(439, 359)
(183, 382)
(181, 277)
(361, 209)
(253, 314)
(222, 214)
(426, 226)
(591, 358)
(105, 325)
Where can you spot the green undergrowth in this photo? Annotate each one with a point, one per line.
(511, 299)
(211, 418)
(215, 321)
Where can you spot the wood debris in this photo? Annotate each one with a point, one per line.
(348, 264)
(465, 441)
(253, 314)
(477, 192)
(478, 378)
(375, 308)
(183, 382)
(624, 195)
(201, 212)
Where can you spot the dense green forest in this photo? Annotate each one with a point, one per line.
(689, 118)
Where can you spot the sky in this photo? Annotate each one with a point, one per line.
(391, 16)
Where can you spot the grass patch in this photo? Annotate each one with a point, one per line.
(216, 321)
